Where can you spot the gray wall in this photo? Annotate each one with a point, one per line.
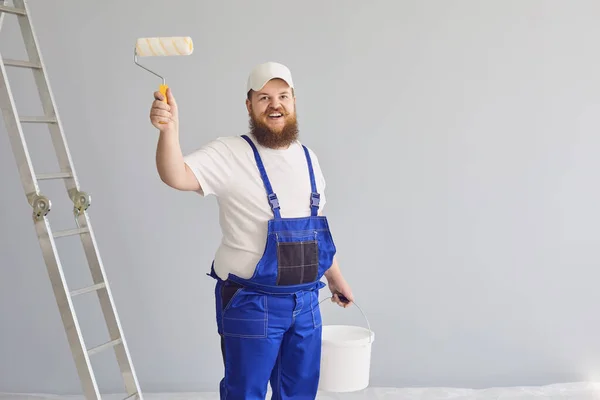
(459, 140)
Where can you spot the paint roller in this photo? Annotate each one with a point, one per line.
(162, 47)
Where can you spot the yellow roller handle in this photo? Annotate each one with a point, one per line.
(163, 89)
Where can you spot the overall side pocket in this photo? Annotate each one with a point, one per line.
(246, 315)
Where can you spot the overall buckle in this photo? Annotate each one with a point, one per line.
(274, 201)
(315, 199)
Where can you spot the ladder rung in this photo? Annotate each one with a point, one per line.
(21, 64)
(88, 289)
(70, 232)
(131, 396)
(56, 175)
(104, 346)
(13, 10)
(39, 120)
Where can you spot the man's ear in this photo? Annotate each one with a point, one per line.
(249, 106)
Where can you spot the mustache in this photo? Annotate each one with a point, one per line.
(280, 110)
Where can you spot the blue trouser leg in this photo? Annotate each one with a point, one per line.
(250, 342)
(296, 372)
(254, 328)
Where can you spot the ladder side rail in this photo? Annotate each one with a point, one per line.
(41, 207)
(47, 99)
(81, 201)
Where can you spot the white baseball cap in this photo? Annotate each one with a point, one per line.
(263, 73)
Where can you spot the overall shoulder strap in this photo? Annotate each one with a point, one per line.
(315, 197)
(272, 197)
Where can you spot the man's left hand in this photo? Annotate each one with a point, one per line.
(339, 286)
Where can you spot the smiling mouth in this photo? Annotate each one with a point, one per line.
(275, 116)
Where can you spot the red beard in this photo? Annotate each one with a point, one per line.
(272, 139)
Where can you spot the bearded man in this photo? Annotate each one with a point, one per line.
(276, 243)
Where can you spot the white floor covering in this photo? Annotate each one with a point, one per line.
(563, 391)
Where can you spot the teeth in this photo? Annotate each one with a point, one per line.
(275, 115)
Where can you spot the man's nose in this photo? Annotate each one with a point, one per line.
(274, 103)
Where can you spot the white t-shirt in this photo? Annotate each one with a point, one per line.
(226, 168)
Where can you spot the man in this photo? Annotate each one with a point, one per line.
(276, 243)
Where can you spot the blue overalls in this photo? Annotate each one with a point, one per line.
(270, 324)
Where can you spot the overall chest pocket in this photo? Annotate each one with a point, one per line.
(297, 257)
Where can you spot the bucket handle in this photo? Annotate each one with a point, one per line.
(345, 300)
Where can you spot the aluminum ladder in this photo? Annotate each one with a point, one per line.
(41, 206)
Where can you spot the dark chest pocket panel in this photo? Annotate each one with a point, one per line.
(297, 258)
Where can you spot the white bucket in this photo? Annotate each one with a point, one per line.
(345, 357)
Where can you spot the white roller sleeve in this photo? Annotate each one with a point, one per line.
(164, 46)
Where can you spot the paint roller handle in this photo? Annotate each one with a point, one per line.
(163, 113)
(163, 90)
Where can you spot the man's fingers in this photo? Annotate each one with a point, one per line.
(170, 98)
(161, 105)
(160, 114)
(159, 96)
(160, 110)
(336, 299)
(342, 300)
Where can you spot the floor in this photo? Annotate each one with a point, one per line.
(571, 391)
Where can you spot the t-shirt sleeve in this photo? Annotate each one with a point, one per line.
(319, 179)
(211, 164)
